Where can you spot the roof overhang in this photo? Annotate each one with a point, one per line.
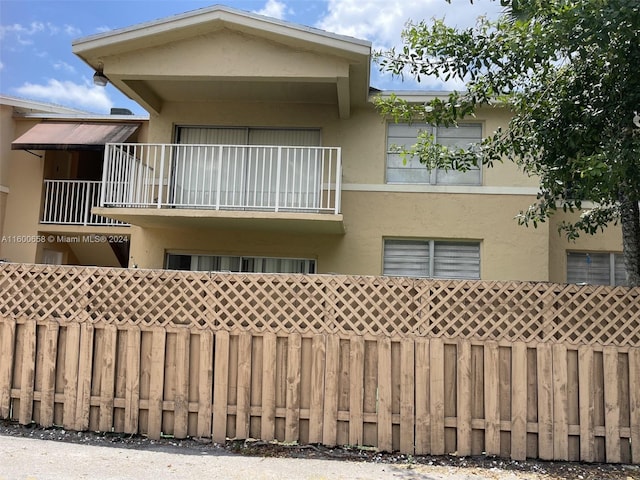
(138, 60)
(73, 135)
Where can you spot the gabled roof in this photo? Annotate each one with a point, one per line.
(188, 24)
(186, 57)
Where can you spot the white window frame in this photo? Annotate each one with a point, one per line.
(430, 270)
(615, 258)
(433, 174)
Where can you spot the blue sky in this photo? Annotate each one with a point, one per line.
(35, 37)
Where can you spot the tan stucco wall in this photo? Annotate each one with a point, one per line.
(3, 209)
(372, 211)
(362, 137)
(149, 246)
(234, 114)
(24, 178)
(260, 58)
(6, 136)
(508, 251)
(608, 241)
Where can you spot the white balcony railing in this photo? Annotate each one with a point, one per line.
(222, 177)
(69, 202)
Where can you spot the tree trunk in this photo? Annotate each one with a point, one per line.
(630, 219)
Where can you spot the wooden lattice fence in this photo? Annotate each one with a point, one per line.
(421, 366)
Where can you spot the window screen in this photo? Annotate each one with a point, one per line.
(431, 258)
(602, 268)
(402, 135)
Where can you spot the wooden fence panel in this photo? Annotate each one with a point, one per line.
(269, 379)
(586, 401)
(316, 411)
(634, 401)
(243, 404)
(181, 400)
(421, 387)
(420, 365)
(422, 396)
(463, 394)
(292, 418)
(220, 386)
(407, 397)
(205, 385)
(436, 395)
(71, 362)
(332, 365)
(7, 355)
(612, 409)
(48, 386)
(519, 401)
(384, 395)
(132, 389)
(107, 387)
(356, 390)
(156, 383)
(27, 378)
(492, 399)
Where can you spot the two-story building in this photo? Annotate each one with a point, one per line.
(263, 152)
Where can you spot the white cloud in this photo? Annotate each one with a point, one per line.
(20, 30)
(103, 29)
(1, 66)
(381, 22)
(274, 9)
(64, 66)
(72, 31)
(84, 96)
(53, 29)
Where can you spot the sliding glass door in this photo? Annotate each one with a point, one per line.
(253, 168)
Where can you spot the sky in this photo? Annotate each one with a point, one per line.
(36, 62)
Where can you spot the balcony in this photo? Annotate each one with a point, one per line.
(230, 186)
(69, 202)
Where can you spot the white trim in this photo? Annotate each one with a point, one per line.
(414, 96)
(37, 106)
(423, 188)
(223, 14)
(83, 116)
(4, 189)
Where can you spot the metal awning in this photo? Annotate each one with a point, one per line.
(73, 135)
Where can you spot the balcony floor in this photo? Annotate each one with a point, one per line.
(228, 219)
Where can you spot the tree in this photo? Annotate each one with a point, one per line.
(570, 72)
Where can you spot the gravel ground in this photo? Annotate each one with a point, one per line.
(94, 455)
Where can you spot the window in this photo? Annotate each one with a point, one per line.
(246, 172)
(431, 258)
(228, 263)
(596, 268)
(405, 135)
